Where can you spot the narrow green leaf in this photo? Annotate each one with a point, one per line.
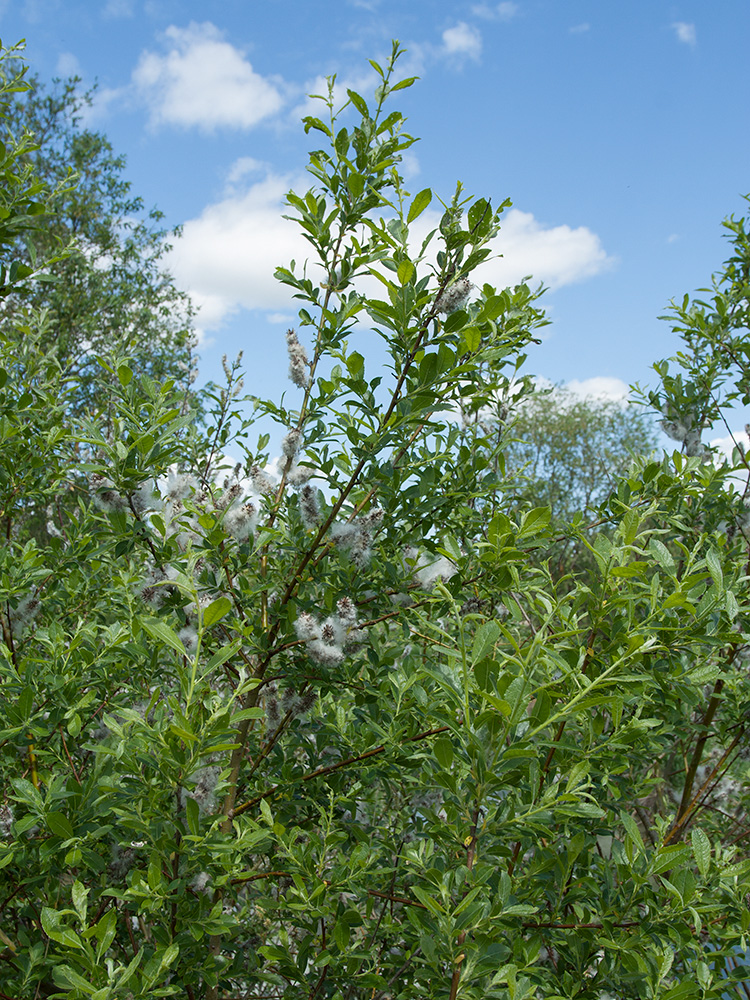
(216, 611)
(79, 894)
(404, 83)
(359, 103)
(443, 750)
(662, 555)
(163, 633)
(714, 567)
(192, 812)
(420, 203)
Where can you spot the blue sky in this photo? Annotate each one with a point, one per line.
(620, 132)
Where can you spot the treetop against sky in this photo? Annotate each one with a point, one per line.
(613, 129)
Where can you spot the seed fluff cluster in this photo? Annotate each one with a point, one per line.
(298, 363)
(454, 296)
(356, 536)
(688, 431)
(325, 641)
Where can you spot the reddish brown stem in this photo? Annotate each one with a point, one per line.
(698, 752)
(330, 768)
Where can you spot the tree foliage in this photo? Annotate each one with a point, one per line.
(339, 732)
(112, 291)
(569, 453)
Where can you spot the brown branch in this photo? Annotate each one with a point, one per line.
(700, 746)
(682, 818)
(396, 899)
(65, 748)
(330, 768)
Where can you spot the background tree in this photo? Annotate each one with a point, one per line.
(569, 454)
(112, 289)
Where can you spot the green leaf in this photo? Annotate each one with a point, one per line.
(405, 272)
(669, 857)
(407, 82)
(105, 931)
(662, 555)
(79, 894)
(631, 828)
(355, 364)
(192, 813)
(59, 825)
(443, 750)
(359, 103)
(222, 655)
(124, 375)
(701, 850)
(420, 203)
(65, 976)
(163, 633)
(216, 611)
(714, 567)
(484, 641)
(426, 900)
(534, 521)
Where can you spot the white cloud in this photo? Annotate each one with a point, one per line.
(505, 11)
(463, 41)
(118, 8)
(227, 256)
(242, 167)
(203, 81)
(580, 29)
(673, 237)
(685, 32)
(727, 444)
(599, 387)
(68, 65)
(558, 255)
(103, 99)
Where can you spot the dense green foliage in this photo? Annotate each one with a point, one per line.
(341, 732)
(111, 292)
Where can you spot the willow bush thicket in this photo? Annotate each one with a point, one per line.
(338, 731)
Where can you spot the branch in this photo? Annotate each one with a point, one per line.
(330, 768)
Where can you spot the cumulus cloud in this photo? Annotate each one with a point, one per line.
(599, 387)
(203, 81)
(727, 444)
(556, 255)
(463, 41)
(685, 32)
(227, 255)
(580, 29)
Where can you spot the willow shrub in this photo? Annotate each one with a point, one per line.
(335, 730)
